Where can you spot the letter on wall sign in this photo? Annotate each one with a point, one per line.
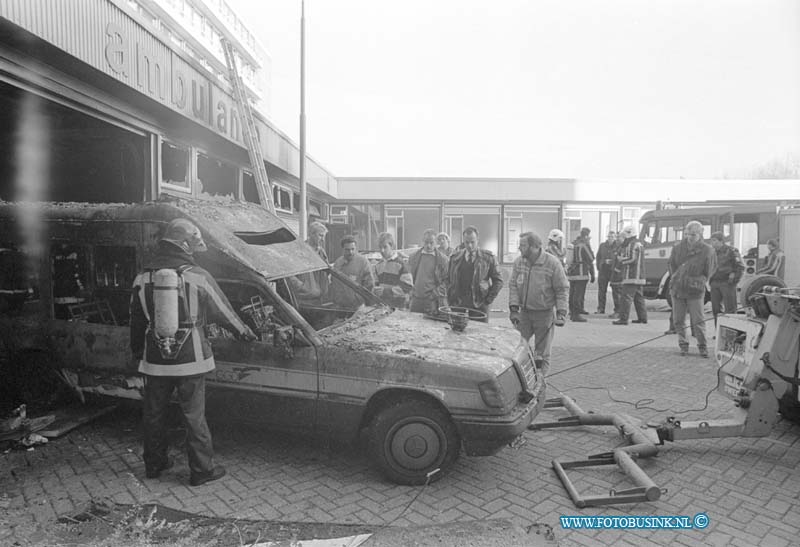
(115, 50)
(222, 117)
(179, 89)
(150, 75)
(199, 102)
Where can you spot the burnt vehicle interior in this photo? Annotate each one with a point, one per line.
(332, 306)
(91, 282)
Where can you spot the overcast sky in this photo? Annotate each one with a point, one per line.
(537, 88)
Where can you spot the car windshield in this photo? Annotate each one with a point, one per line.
(327, 297)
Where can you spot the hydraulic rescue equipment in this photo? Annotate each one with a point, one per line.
(758, 356)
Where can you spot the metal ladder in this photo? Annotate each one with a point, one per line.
(249, 133)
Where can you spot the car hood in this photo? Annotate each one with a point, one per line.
(401, 333)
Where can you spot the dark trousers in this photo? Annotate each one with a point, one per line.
(602, 289)
(424, 305)
(632, 294)
(192, 400)
(723, 294)
(577, 292)
(466, 302)
(616, 295)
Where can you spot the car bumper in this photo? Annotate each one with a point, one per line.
(487, 435)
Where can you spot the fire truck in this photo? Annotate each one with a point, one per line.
(747, 227)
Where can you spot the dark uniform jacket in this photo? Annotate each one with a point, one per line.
(630, 260)
(690, 267)
(581, 266)
(728, 262)
(201, 296)
(606, 255)
(486, 278)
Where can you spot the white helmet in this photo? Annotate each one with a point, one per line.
(556, 235)
(185, 235)
(627, 232)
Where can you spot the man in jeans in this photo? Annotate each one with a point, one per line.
(725, 278)
(537, 286)
(691, 263)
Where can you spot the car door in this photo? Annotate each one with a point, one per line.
(266, 382)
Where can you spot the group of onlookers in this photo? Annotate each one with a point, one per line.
(548, 280)
(432, 276)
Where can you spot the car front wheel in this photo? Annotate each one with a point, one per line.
(410, 440)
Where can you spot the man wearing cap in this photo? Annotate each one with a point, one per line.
(631, 262)
(726, 276)
(175, 355)
(691, 263)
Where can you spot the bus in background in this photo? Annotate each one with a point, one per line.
(746, 227)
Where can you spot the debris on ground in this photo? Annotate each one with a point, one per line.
(106, 524)
(32, 439)
(21, 431)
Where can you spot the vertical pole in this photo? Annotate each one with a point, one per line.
(303, 189)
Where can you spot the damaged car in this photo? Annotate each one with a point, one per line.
(330, 359)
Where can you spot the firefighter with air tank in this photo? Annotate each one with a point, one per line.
(172, 298)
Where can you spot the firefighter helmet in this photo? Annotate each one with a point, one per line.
(185, 235)
(556, 235)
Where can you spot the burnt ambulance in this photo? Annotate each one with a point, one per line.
(336, 362)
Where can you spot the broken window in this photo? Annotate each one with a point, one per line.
(216, 177)
(174, 165)
(282, 197)
(315, 209)
(249, 188)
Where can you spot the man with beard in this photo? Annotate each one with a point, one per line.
(537, 296)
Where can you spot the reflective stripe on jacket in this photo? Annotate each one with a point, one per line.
(202, 297)
(631, 260)
(582, 265)
(539, 286)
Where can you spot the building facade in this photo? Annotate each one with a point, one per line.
(120, 101)
(503, 208)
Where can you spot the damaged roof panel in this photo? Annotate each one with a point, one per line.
(249, 234)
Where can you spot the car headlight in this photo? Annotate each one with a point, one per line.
(492, 394)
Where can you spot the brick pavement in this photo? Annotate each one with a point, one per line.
(748, 487)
